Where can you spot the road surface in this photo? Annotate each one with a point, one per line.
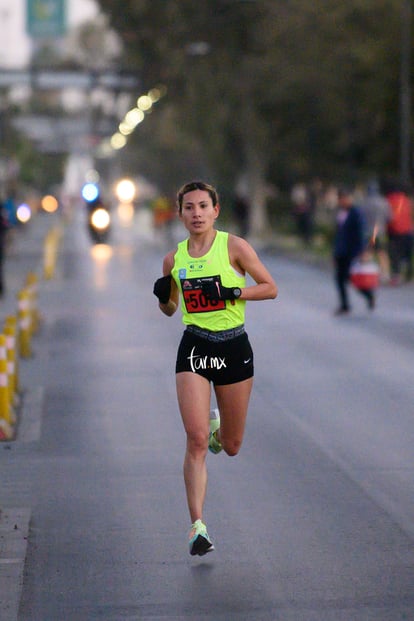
(313, 521)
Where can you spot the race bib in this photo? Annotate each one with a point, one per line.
(194, 299)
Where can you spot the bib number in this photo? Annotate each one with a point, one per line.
(194, 298)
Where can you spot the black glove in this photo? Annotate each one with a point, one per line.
(162, 288)
(215, 291)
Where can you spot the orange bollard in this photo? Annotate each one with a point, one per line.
(6, 416)
(31, 285)
(24, 321)
(10, 334)
(11, 331)
(50, 248)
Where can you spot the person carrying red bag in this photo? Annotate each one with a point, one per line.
(349, 243)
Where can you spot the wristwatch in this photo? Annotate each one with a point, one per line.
(236, 293)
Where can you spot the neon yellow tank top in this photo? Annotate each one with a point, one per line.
(189, 273)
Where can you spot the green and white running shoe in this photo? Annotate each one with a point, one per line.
(199, 542)
(214, 445)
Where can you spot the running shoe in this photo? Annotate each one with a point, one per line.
(214, 445)
(199, 542)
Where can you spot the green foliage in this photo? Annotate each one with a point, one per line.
(306, 87)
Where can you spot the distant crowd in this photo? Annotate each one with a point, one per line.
(388, 216)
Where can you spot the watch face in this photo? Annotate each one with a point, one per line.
(237, 292)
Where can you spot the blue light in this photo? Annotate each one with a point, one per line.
(90, 192)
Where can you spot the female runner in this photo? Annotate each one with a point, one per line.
(208, 272)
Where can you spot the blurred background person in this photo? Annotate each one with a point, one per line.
(303, 210)
(400, 234)
(4, 227)
(349, 244)
(377, 213)
(241, 212)
(164, 214)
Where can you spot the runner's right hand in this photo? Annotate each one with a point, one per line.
(162, 288)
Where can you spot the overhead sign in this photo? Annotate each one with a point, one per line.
(46, 18)
(63, 134)
(50, 79)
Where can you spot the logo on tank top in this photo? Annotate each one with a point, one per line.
(196, 266)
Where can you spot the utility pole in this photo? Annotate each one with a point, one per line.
(405, 93)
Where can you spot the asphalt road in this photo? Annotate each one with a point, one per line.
(313, 521)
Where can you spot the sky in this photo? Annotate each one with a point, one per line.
(15, 45)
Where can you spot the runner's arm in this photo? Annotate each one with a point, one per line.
(244, 259)
(171, 306)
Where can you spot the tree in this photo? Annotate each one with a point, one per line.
(282, 89)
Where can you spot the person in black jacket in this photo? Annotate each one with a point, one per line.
(349, 242)
(4, 226)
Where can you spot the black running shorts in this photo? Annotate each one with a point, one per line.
(221, 363)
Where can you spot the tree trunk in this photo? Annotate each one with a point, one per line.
(257, 192)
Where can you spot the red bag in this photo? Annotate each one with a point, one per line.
(365, 275)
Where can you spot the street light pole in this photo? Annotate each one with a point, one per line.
(405, 92)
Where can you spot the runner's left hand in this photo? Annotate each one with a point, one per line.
(215, 291)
